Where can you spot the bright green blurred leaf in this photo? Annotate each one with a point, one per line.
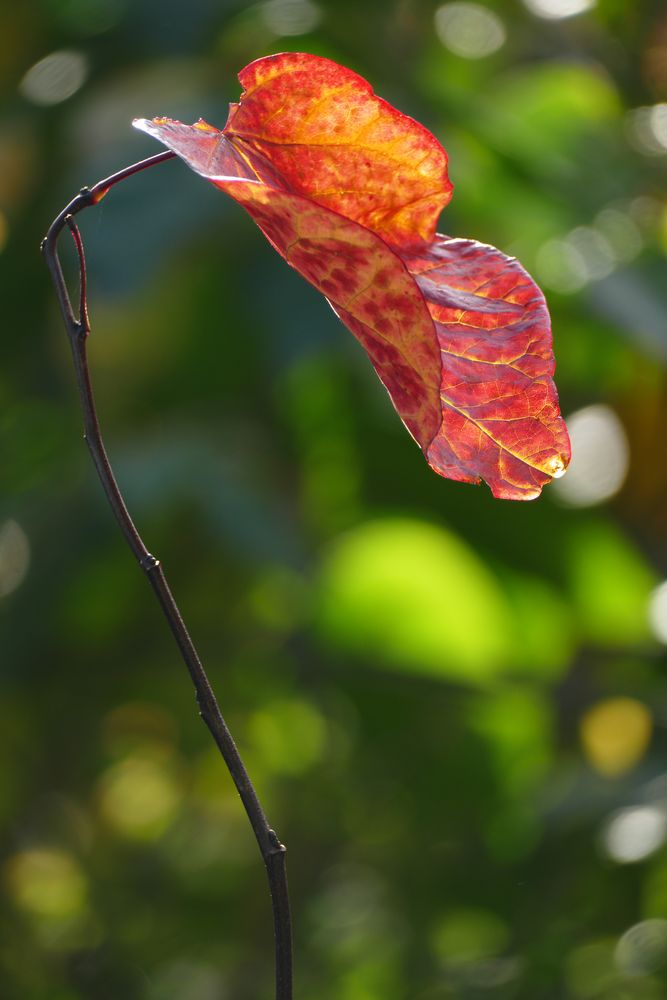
(610, 583)
(561, 102)
(544, 634)
(414, 596)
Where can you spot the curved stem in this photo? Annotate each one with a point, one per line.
(78, 328)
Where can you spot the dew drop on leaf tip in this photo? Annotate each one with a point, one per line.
(558, 468)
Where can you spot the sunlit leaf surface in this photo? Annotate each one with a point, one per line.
(348, 190)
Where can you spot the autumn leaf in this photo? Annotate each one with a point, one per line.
(348, 190)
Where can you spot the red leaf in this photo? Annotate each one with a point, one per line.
(501, 419)
(349, 190)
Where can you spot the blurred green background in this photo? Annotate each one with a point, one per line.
(454, 708)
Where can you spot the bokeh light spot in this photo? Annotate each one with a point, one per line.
(289, 734)
(615, 735)
(646, 129)
(658, 120)
(588, 253)
(139, 797)
(635, 833)
(556, 10)
(620, 231)
(469, 30)
(657, 612)
(47, 882)
(561, 266)
(589, 969)
(290, 17)
(468, 935)
(14, 557)
(594, 250)
(351, 914)
(600, 458)
(55, 78)
(643, 948)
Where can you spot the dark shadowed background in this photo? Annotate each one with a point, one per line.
(455, 708)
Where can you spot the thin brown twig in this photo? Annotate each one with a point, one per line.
(84, 319)
(78, 328)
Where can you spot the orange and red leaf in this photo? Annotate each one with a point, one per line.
(348, 190)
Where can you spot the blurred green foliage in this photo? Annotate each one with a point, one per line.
(454, 708)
